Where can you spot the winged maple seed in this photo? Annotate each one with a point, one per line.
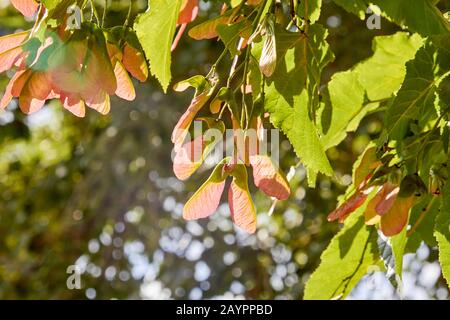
(206, 200)
(188, 13)
(27, 7)
(191, 153)
(268, 59)
(246, 135)
(387, 203)
(79, 67)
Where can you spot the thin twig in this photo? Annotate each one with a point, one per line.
(104, 13)
(127, 20)
(94, 12)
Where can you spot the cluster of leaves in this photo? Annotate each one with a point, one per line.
(81, 65)
(276, 52)
(236, 26)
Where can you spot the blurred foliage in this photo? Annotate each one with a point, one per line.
(100, 193)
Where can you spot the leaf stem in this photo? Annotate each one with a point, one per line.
(127, 20)
(306, 17)
(244, 91)
(104, 13)
(258, 16)
(94, 12)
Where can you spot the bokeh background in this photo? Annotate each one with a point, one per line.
(99, 193)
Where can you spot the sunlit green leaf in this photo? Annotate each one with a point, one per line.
(161, 15)
(352, 253)
(292, 96)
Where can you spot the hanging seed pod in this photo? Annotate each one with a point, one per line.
(268, 61)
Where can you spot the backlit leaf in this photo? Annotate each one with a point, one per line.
(346, 260)
(12, 40)
(366, 165)
(395, 220)
(388, 194)
(348, 207)
(207, 198)
(310, 9)
(208, 29)
(189, 11)
(27, 7)
(418, 92)
(191, 155)
(291, 95)
(202, 95)
(161, 15)
(134, 62)
(35, 92)
(243, 210)
(269, 178)
(125, 88)
(442, 233)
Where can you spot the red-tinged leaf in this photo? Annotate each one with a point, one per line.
(72, 82)
(349, 206)
(191, 155)
(28, 104)
(71, 56)
(242, 209)
(66, 66)
(99, 71)
(368, 163)
(134, 61)
(125, 88)
(182, 127)
(36, 91)
(21, 79)
(27, 7)
(188, 158)
(396, 219)
(98, 100)
(268, 178)
(197, 82)
(268, 60)
(248, 143)
(189, 11)
(74, 104)
(7, 96)
(215, 106)
(53, 95)
(9, 58)
(96, 77)
(371, 217)
(12, 40)
(21, 61)
(114, 53)
(207, 198)
(388, 194)
(13, 83)
(178, 37)
(207, 30)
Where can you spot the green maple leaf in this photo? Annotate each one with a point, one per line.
(155, 30)
(292, 95)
